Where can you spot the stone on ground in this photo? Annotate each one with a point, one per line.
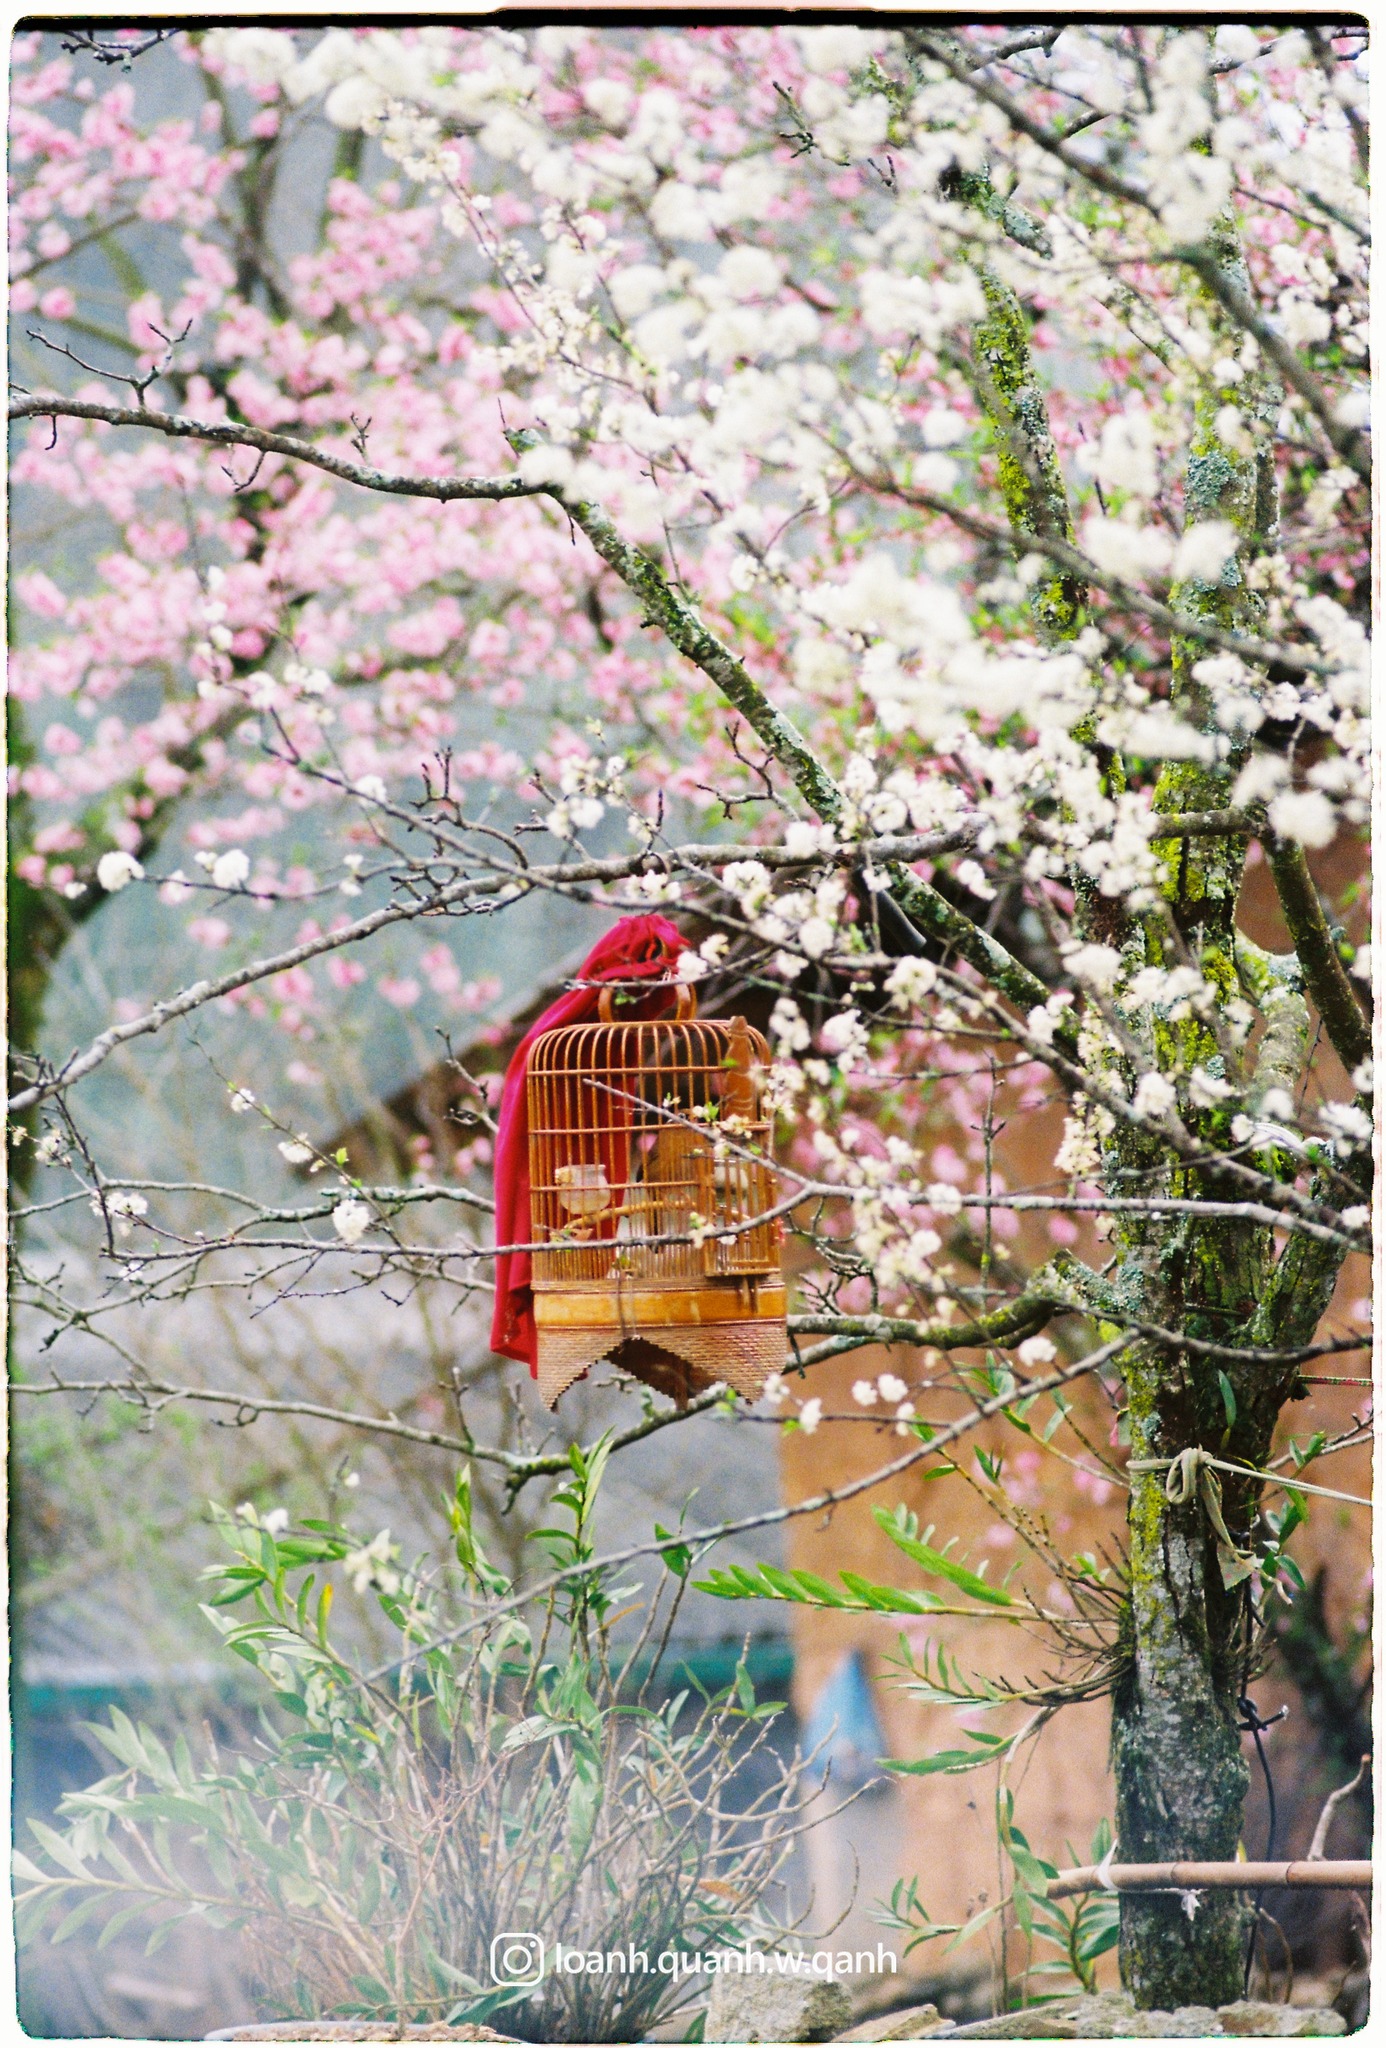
(795, 2006)
(913, 2023)
(1280, 2022)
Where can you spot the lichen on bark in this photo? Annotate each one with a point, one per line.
(1176, 1743)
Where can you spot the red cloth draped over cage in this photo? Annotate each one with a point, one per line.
(636, 949)
(634, 1154)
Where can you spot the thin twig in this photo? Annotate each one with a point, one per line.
(1330, 1807)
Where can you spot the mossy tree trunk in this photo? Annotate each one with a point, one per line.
(1181, 1776)
(1177, 1748)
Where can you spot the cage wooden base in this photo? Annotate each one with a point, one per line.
(677, 1342)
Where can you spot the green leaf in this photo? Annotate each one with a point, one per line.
(478, 2011)
(535, 1728)
(159, 1936)
(59, 1849)
(889, 1599)
(76, 1919)
(940, 1566)
(118, 1922)
(1061, 1407)
(677, 1556)
(1098, 1944)
(1229, 1399)
(953, 1761)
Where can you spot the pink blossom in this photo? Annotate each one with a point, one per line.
(294, 985)
(41, 594)
(143, 317)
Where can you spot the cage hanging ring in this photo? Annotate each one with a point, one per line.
(685, 1003)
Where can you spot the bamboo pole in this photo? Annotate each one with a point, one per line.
(1200, 1877)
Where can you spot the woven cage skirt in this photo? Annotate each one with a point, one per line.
(677, 1340)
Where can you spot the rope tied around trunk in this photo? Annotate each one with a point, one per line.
(1195, 1471)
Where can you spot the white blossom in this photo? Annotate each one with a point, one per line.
(229, 870)
(1126, 550)
(1305, 815)
(749, 881)
(372, 1565)
(1127, 459)
(845, 1036)
(1207, 1088)
(1036, 1351)
(973, 878)
(1095, 966)
(788, 1028)
(121, 1204)
(864, 1393)
(1154, 1096)
(1346, 1121)
(803, 839)
(1174, 990)
(114, 870)
(910, 981)
(1203, 552)
(810, 1415)
(941, 427)
(351, 1219)
(1078, 1156)
(263, 56)
(816, 936)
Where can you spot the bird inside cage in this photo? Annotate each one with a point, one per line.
(650, 1183)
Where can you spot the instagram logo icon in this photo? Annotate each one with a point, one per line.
(517, 1959)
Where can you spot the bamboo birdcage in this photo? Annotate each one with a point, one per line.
(649, 1169)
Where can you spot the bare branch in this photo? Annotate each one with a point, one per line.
(1348, 1028)
(247, 1408)
(113, 49)
(699, 1540)
(1258, 653)
(1330, 1807)
(667, 607)
(230, 434)
(435, 903)
(1347, 442)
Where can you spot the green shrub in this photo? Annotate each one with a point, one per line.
(501, 1774)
